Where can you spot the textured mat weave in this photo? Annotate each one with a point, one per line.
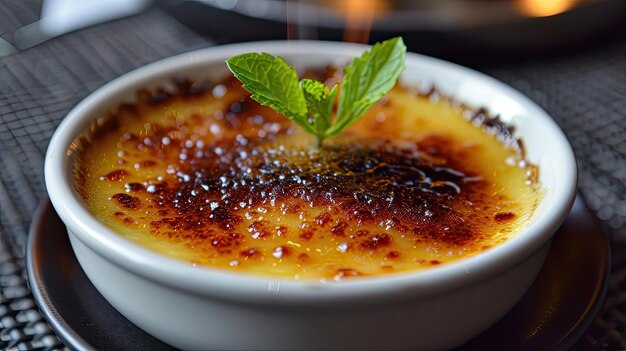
(584, 92)
(37, 88)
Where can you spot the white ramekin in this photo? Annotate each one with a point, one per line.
(203, 308)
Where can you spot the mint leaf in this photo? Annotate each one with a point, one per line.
(366, 80)
(309, 103)
(272, 82)
(319, 100)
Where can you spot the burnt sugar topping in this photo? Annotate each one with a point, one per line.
(202, 173)
(363, 185)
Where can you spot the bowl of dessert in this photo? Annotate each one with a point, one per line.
(320, 205)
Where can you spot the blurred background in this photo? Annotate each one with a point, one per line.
(569, 56)
(453, 29)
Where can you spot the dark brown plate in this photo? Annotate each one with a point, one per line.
(553, 314)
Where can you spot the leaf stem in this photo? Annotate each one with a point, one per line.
(320, 141)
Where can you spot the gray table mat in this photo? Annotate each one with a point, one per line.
(585, 92)
(37, 88)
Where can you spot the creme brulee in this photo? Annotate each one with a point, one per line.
(206, 175)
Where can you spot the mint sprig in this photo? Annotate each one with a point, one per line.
(309, 103)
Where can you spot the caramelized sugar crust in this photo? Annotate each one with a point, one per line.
(203, 173)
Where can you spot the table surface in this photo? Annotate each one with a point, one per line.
(584, 90)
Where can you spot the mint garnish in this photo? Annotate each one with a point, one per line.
(309, 103)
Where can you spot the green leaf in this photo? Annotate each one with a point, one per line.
(366, 80)
(319, 100)
(272, 82)
(309, 103)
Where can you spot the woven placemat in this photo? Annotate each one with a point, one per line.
(37, 89)
(585, 92)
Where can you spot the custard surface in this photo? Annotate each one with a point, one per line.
(204, 174)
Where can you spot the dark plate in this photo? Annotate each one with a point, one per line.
(553, 314)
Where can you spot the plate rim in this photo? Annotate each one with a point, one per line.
(63, 330)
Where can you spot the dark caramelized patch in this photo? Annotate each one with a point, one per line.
(249, 253)
(323, 219)
(306, 234)
(503, 216)
(127, 201)
(221, 216)
(258, 229)
(393, 254)
(377, 241)
(133, 187)
(339, 228)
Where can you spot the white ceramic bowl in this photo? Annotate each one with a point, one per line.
(203, 308)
